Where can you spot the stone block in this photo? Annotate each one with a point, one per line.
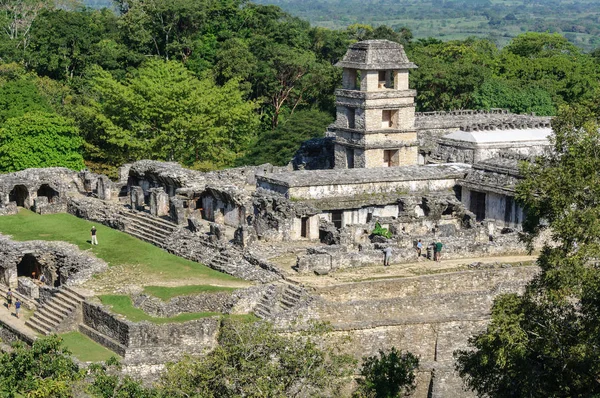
(105, 188)
(137, 198)
(159, 202)
(28, 288)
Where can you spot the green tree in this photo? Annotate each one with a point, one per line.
(252, 359)
(389, 375)
(278, 146)
(546, 342)
(18, 97)
(43, 370)
(39, 139)
(500, 93)
(164, 112)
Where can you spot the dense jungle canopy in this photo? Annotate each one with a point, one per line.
(218, 83)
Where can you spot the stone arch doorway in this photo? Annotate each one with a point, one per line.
(28, 265)
(50, 193)
(19, 194)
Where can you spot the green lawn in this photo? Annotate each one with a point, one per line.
(86, 349)
(123, 305)
(114, 247)
(166, 293)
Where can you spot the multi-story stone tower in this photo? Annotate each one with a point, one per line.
(375, 124)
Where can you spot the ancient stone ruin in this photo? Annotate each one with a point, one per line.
(443, 176)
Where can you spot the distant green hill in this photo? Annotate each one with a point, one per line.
(500, 20)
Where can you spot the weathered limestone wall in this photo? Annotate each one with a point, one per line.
(145, 345)
(218, 302)
(431, 316)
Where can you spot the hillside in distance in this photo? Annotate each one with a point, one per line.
(499, 20)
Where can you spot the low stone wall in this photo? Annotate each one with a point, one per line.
(204, 302)
(145, 343)
(8, 334)
(323, 260)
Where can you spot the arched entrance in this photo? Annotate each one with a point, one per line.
(50, 193)
(19, 194)
(28, 265)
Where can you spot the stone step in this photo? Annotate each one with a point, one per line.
(287, 304)
(74, 293)
(146, 218)
(292, 294)
(72, 296)
(66, 300)
(150, 229)
(49, 310)
(38, 327)
(58, 307)
(103, 340)
(47, 314)
(144, 237)
(43, 320)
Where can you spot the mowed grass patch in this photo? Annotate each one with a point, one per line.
(86, 349)
(114, 247)
(166, 293)
(121, 304)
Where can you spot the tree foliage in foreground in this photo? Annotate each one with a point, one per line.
(253, 360)
(389, 375)
(546, 342)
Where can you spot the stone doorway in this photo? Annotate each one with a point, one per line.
(477, 205)
(47, 191)
(19, 194)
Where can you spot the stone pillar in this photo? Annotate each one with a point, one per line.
(137, 198)
(40, 204)
(159, 202)
(104, 188)
(176, 211)
(244, 235)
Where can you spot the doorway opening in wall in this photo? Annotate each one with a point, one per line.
(388, 119)
(351, 115)
(19, 194)
(350, 157)
(508, 209)
(390, 158)
(386, 79)
(336, 218)
(478, 205)
(47, 191)
(304, 227)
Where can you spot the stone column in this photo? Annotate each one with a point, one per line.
(137, 198)
(159, 202)
(104, 188)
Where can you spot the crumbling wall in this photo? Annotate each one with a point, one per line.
(61, 263)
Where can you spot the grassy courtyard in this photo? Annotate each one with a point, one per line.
(86, 349)
(132, 261)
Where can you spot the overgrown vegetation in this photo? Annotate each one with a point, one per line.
(222, 83)
(545, 343)
(251, 360)
(380, 231)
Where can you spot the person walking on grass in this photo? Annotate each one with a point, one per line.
(9, 297)
(18, 308)
(94, 238)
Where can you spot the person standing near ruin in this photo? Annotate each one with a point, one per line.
(437, 248)
(18, 308)
(94, 238)
(9, 296)
(419, 249)
(387, 255)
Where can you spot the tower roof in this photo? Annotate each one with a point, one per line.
(376, 55)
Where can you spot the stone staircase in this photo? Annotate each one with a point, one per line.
(55, 312)
(280, 297)
(148, 228)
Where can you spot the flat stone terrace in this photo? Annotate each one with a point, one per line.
(306, 178)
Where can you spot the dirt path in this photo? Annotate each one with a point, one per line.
(405, 270)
